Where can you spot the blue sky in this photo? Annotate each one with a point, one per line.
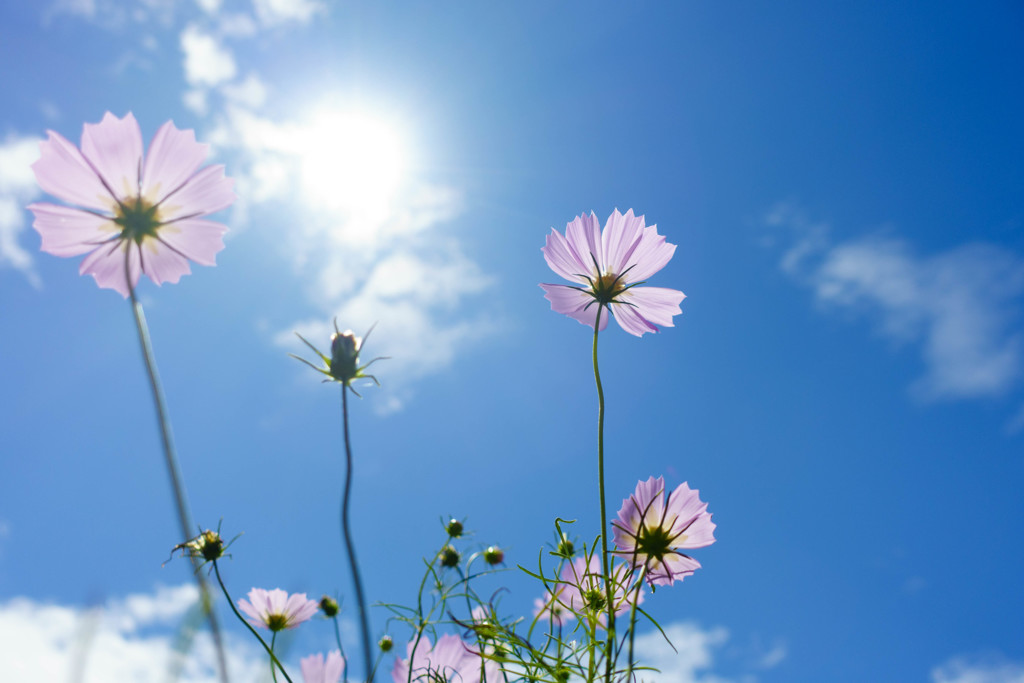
(844, 385)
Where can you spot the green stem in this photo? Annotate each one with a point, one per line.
(273, 671)
(173, 470)
(349, 546)
(341, 648)
(270, 650)
(606, 559)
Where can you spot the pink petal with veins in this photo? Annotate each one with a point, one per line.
(114, 147)
(67, 231)
(172, 158)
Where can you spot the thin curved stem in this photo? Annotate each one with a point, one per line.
(605, 557)
(270, 650)
(173, 470)
(349, 546)
(341, 648)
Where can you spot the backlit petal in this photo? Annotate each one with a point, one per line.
(63, 172)
(114, 147)
(584, 237)
(564, 260)
(650, 255)
(576, 304)
(67, 231)
(631, 321)
(656, 305)
(173, 156)
(161, 263)
(198, 239)
(107, 266)
(621, 234)
(204, 193)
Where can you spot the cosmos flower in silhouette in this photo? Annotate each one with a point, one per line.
(135, 213)
(651, 530)
(606, 268)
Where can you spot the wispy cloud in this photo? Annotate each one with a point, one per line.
(274, 12)
(17, 188)
(206, 61)
(960, 307)
(695, 653)
(129, 639)
(991, 668)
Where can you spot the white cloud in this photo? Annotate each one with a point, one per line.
(986, 669)
(273, 12)
(207, 62)
(388, 263)
(130, 639)
(17, 188)
(960, 307)
(250, 92)
(196, 100)
(237, 25)
(209, 6)
(694, 656)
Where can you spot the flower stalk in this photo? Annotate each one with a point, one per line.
(349, 545)
(605, 557)
(173, 470)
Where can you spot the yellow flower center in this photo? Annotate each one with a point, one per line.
(608, 286)
(137, 218)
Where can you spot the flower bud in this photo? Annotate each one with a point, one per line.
(344, 355)
(565, 548)
(385, 644)
(494, 555)
(329, 606)
(454, 528)
(450, 557)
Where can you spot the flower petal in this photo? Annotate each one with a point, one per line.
(198, 239)
(631, 321)
(63, 172)
(584, 237)
(621, 234)
(67, 231)
(562, 259)
(205, 192)
(173, 156)
(674, 567)
(656, 305)
(107, 266)
(577, 304)
(114, 148)
(162, 263)
(650, 255)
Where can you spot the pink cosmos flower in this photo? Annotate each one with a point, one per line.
(651, 529)
(316, 670)
(140, 213)
(606, 268)
(450, 661)
(276, 610)
(583, 588)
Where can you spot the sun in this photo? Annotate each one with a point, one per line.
(352, 161)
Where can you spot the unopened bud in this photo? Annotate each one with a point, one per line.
(450, 557)
(344, 355)
(494, 555)
(385, 644)
(565, 548)
(454, 528)
(329, 606)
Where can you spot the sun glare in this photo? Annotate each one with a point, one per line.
(352, 161)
